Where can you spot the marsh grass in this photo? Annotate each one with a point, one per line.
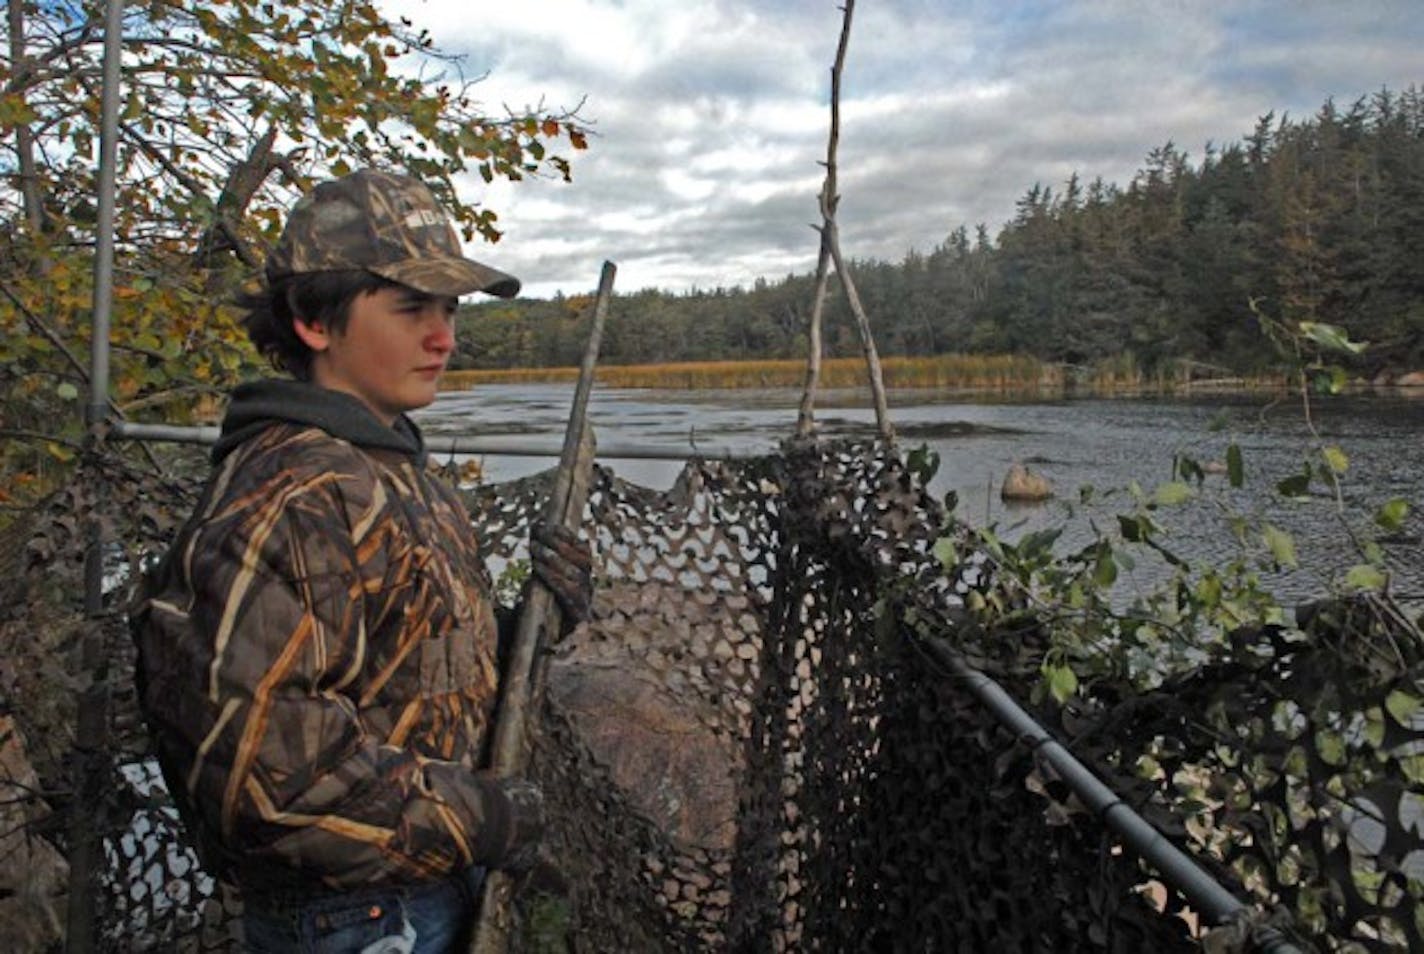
(976, 372)
(996, 373)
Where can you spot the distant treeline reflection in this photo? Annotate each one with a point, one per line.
(1320, 219)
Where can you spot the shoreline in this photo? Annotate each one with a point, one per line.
(927, 376)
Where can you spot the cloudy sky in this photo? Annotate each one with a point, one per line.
(711, 115)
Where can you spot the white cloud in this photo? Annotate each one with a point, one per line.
(711, 115)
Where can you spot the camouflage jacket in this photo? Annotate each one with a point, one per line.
(317, 667)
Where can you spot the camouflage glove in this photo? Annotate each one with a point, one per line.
(563, 563)
(523, 810)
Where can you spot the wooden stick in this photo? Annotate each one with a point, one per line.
(831, 249)
(521, 685)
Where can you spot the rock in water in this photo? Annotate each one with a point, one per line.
(1021, 484)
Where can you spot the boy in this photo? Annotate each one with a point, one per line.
(317, 651)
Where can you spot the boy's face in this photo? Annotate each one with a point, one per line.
(391, 352)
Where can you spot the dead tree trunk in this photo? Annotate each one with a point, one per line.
(24, 135)
(243, 181)
(831, 250)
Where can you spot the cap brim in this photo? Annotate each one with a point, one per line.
(449, 276)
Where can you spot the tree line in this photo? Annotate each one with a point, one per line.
(1319, 219)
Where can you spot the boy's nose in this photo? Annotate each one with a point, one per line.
(442, 338)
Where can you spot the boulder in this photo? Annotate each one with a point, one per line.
(641, 689)
(1021, 484)
(673, 770)
(643, 762)
(1414, 379)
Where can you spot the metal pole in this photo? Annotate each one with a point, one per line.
(493, 445)
(1217, 905)
(85, 854)
(98, 408)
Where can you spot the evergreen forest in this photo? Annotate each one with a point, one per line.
(1318, 219)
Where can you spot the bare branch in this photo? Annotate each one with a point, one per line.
(830, 249)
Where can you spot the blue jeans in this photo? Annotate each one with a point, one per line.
(417, 919)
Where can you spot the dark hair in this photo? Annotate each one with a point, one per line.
(324, 297)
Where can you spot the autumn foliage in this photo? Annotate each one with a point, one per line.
(229, 109)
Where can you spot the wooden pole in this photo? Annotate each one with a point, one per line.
(805, 421)
(521, 686)
(831, 248)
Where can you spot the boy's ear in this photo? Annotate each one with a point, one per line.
(313, 334)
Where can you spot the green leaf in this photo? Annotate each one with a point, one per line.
(1167, 555)
(1335, 459)
(1209, 590)
(1326, 380)
(1391, 515)
(923, 462)
(1402, 706)
(945, 552)
(1039, 544)
(1330, 337)
(1235, 471)
(1239, 527)
(1130, 528)
(66, 391)
(1189, 470)
(1062, 681)
(1330, 746)
(1295, 486)
(1105, 570)
(992, 544)
(1281, 545)
(1365, 577)
(1171, 494)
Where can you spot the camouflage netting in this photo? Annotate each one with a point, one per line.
(747, 748)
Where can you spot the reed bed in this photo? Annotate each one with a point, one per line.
(940, 372)
(1118, 375)
(1121, 375)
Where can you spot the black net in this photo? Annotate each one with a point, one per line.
(748, 749)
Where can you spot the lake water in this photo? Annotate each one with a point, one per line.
(1105, 443)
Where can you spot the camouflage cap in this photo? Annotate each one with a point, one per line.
(383, 223)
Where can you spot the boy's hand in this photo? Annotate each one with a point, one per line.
(563, 563)
(527, 822)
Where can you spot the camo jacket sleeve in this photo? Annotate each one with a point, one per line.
(317, 659)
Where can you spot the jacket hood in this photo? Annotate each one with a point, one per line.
(258, 405)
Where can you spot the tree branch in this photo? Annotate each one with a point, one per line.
(58, 342)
